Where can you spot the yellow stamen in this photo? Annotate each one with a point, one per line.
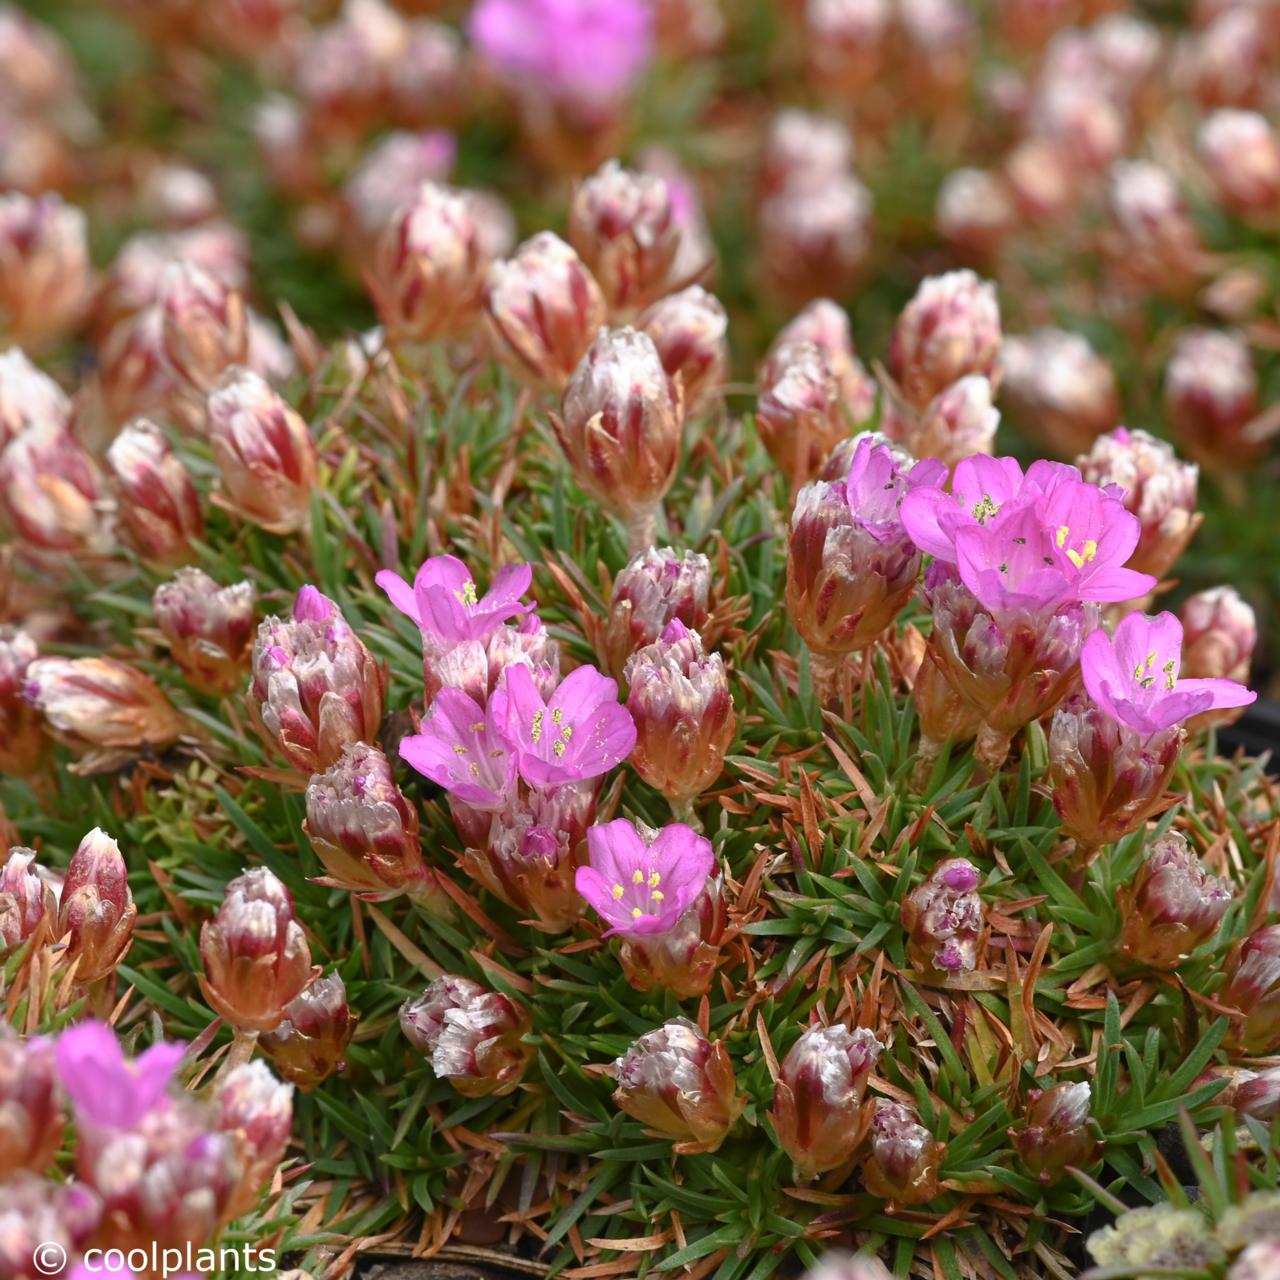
(657, 895)
(636, 913)
(617, 892)
(654, 880)
(535, 731)
(637, 876)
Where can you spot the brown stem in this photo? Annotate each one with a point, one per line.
(927, 754)
(241, 1051)
(642, 529)
(827, 677)
(991, 748)
(682, 811)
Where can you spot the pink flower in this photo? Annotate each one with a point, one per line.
(1133, 676)
(581, 732)
(462, 748)
(643, 886)
(107, 1089)
(444, 603)
(878, 484)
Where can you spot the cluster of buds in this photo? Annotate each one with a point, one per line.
(1253, 987)
(106, 711)
(209, 628)
(904, 1159)
(688, 328)
(159, 508)
(657, 587)
(472, 1037)
(265, 454)
(1211, 396)
(680, 1084)
(620, 426)
(310, 1043)
(28, 903)
(943, 918)
(45, 274)
(1172, 906)
(817, 1101)
(96, 909)
(1057, 1131)
(21, 740)
(315, 686)
(255, 955)
(680, 700)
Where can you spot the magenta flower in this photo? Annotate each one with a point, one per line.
(444, 603)
(463, 749)
(1133, 676)
(643, 886)
(581, 732)
(879, 482)
(104, 1086)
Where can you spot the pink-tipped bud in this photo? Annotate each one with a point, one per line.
(958, 423)
(28, 396)
(680, 1084)
(256, 1110)
(688, 329)
(430, 267)
(801, 414)
(804, 151)
(133, 374)
(815, 242)
(362, 827)
(1219, 635)
(1257, 1261)
(1059, 389)
(543, 309)
(620, 425)
(684, 715)
(97, 907)
(1172, 906)
(1228, 63)
(158, 503)
(624, 227)
(1158, 245)
(473, 1037)
(51, 492)
(975, 210)
(943, 918)
(209, 628)
(1041, 180)
(265, 454)
(36, 67)
(315, 684)
(1253, 987)
(1211, 394)
(1242, 154)
(21, 742)
(817, 1100)
(825, 324)
(1258, 1095)
(843, 1266)
(44, 268)
(106, 711)
(847, 41)
(32, 1121)
(1158, 487)
(951, 327)
(205, 326)
(255, 954)
(27, 901)
(657, 586)
(905, 1157)
(1057, 1131)
(310, 1044)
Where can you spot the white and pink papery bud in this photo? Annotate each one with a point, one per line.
(310, 1044)
(28, 397)
(256, 1110)
(904, 1160)
(943, 918)
(1211, 395)
(21, 741)
(957, 423)
(45, 274)
(1158, 245)
(1219, 635)
(656, 586)
(801, 413)
(689, 331)
(205, 324)
(27, 901)
(1241, 152)
(846, 42)
(975, 210)
(159, 508)
(32, 1118)
(96, 907)
(815, 241)
(804, 151)
(209, 628)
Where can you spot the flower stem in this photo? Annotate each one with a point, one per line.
(991, 748)
(827, 672)
(642, 530)
(241, 1051)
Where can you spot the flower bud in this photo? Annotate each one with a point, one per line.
(310, 1044)
(41, 1218)
(27, 396)
(474, 1037)
(97, 908)
(817, 1099)
(1210, 395)
(620, 427)
(975, 210)
(1219, 635)
(1158, 488)
(904, 1160)
(1057, 1131)
(133, 373)
(255, 955)
(943, 918)
(1242, 154)
(205, 326)
(106, 711)
(159, 506)
(51, 492)
(1041, 180)
(44, 268)
(27, 902)
(315, 684)
(951, 327)
(209, 628)
(655, 587)
(688, 329)
(1158, 246)
(21, 742)
(841, 1266)
(825, 324)
(801, 415)
(1253, 987)
(1257, 1261)
(847, 41)
(264, 452)
(362, 827)
(682, 959)
(543, 309)
(958, 423)
(430, 268)
(623, 226)
(1255, 1094)
(31, 1116)
(815, 242)
(684, 715)
(1059, 388)
(1172, 906)
(256, 1110)
(804, 151)
(680, 1084)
